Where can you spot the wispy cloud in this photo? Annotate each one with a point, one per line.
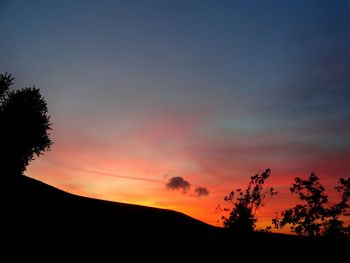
(123, 176)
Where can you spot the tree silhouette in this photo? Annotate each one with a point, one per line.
(314, 218)
(246, 203)
(334, 227)
(24, 126)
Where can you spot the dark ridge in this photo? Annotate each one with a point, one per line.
(35, 205)
(40, 216)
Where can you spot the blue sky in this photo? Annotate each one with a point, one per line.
(212, 91)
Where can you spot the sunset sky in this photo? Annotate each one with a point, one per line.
(210, 91)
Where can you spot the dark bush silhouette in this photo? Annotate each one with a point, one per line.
(246, 203)
(334, 227)
(24, 126)
(314, 218)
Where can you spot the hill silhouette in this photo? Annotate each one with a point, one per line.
(35, 210)
(41, 217)
(33, 203)
(41, 205)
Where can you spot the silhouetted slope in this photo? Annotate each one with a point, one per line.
(40, 216)
(37, 208)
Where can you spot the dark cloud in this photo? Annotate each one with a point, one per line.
(325, 78)
(178, 183)
(201, 191)
(321, 80)
(317, 82)
(318, 98)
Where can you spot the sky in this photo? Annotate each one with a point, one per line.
(173, 104)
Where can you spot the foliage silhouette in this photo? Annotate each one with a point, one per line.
(315, 218)
(334, 227)
(246, 203)
(24, 126)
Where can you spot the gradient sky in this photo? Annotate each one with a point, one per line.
(211, 91)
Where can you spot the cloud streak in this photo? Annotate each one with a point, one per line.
(123, 176)
(136, 178)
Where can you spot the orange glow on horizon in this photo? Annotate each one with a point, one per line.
(135, 168)
(154, 194)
